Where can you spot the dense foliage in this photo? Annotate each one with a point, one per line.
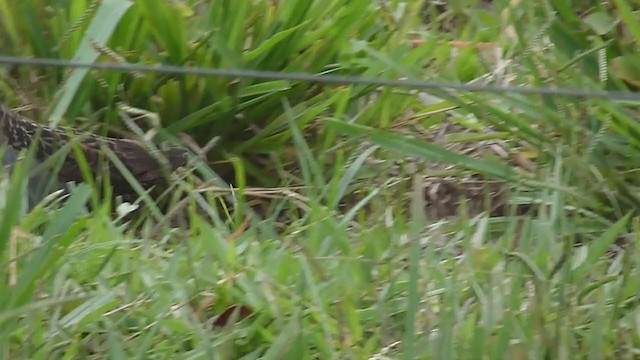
(361, 221)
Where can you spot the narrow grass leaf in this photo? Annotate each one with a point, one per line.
(598, 330)
(350, 174)
(265, 88)
(412, 147)
(271, 42)
(52, 234)
(88, 308)
(599, 247)
(310, 168)
(12, 204)
(284, 341)
(410, 337)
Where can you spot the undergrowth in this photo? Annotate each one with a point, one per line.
(350, 221)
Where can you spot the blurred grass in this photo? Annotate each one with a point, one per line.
(344, 262)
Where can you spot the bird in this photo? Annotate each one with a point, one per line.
(19, 132)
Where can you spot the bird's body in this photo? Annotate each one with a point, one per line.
(19, 133)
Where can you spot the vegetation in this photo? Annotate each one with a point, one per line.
(363, 221)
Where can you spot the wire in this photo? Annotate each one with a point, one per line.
(326, 79)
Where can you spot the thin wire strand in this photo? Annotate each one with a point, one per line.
(326, 79)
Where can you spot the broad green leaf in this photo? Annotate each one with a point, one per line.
(106, 19)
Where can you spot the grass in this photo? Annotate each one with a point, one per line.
(342, 236)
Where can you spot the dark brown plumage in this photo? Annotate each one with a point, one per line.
(20, 132)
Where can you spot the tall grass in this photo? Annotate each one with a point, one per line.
(346, 257)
